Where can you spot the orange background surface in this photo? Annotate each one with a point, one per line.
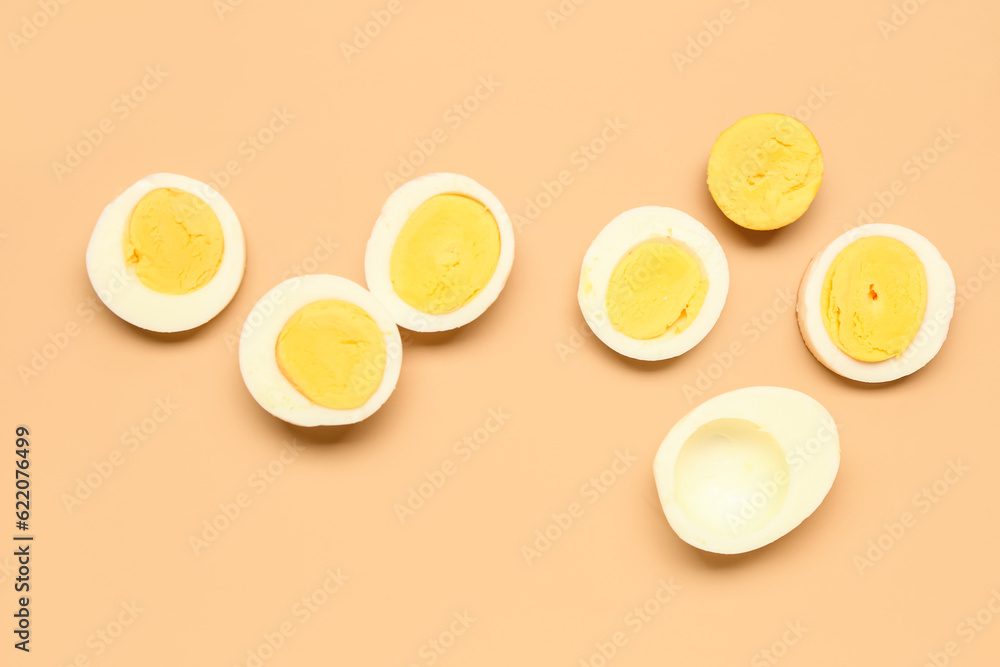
(874, 99)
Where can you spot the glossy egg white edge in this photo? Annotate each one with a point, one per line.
(259, 337)
(933, 328)
(621, 236)
(123, 293)
(806, 433)
(397, 209)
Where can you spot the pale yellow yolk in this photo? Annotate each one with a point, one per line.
(333, 353)
(765, 170)
(445, 254)
(174, 241)
(655, 288)
(874, 297)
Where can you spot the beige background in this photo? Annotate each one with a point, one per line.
(572, 403)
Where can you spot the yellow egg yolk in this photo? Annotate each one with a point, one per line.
(765, 170)
(445, 254)
(333, 353)
(657, 287)
(874, 297)
(174, 241)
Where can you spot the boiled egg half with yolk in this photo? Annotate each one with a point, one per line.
(876, 304)
(653, 283)
(167, 254)
(746, 467)
(320, 350)
(440, 252)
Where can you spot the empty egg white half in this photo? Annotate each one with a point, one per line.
(653, 283)
(875, 305)
(167, 254)
(440, 252)
(745, 468)
(320, 350)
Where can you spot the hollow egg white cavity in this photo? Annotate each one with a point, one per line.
(933, 327)
(744, 468)
(396, 211)
(121, 290)
(259, 338)
(617, 240)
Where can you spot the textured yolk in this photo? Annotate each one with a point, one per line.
(445, 254)
(333, 353)
(874, 297)
(174, 241)
(765, 170)
(656, 288)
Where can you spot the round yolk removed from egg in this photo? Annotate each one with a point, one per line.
(333, 353)
(657, 287)
(174, 241)
(874, 298)
(765, 170)
(445, 254)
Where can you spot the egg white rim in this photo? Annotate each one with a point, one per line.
(619, 237)
(933, 328)
(259, 365)
(123, 293)
(807, 487)
(396, 211)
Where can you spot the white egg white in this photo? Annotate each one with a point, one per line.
(259, 337)
(933, 329)
(395, 212)
(123, 293)
(621, 236)
(722, 491)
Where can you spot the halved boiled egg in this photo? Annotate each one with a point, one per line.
(320, 350)
(167, 254)
(440, 252)
(653, 283)
(876, 304)
(745, 468)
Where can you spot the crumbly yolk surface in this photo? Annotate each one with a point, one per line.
(874, 298)
(445, 254)
(765, 170)
(333, 353)
(174, 241)
(657, 287)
